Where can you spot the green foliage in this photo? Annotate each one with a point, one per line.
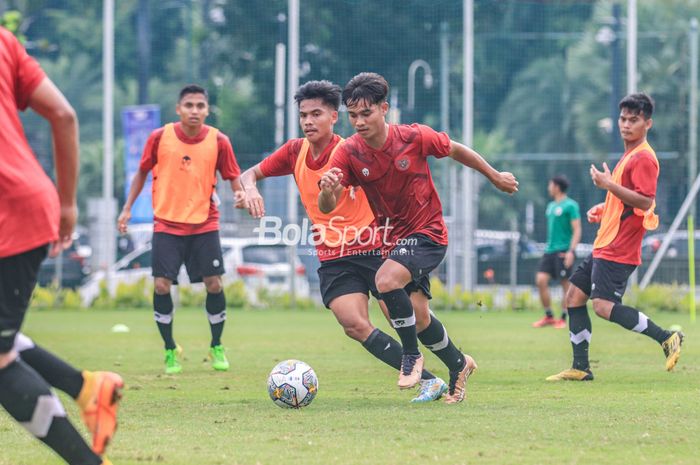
(663, 298)
(190, 296)
(133, 295)
(522, 301)
(458, 299)
(43, 298)
(236, 296)
(283, 301)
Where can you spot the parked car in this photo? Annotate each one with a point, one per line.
(258, 265)
(678, 248)
(74, 265)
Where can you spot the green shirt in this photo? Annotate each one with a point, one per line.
(559, 218)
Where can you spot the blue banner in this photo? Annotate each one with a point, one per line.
(138, 122)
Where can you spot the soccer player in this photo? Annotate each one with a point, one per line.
(563, 235)
(347, 241)
(185, 157)
(38, 218)
(624, 217)
(389, 162)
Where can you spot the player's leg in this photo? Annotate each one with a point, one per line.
(433, 335)
(579, 324)
(167, 257)
(542, 282)
(204, 262)
(610, 280)
(391, 279)
(97, 392)
(561, 322)
(25, 395)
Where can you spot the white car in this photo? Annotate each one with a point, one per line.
(258, 265)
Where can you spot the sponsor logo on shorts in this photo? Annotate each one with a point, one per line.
(216, 262)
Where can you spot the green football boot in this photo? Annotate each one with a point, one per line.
(172, 364)
(218, 358)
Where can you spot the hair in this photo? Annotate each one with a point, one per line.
(638, 103)
(193, 89)
(561, 181)
(328, 92)
(370, 87)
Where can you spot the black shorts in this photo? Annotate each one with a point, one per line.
(602, 279)
(355, 274)
(18, 275)
(201, 254)
(553, 264)
(419, 254)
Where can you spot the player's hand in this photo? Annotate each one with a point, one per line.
(69, 216)
(331, 180)
(601, 179)
(239, 199)
(123, 221)
(569, 258)
(506, 182)
(254, 203)
(595, 213)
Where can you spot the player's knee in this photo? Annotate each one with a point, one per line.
(602, 308)
(161, 287)
(542, 280)
(358, 330)
(214, 285)
(386, 283)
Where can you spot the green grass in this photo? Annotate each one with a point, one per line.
(634, 412)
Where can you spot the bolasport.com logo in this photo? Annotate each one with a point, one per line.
(335, 235)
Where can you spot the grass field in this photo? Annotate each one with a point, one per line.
(633, 413)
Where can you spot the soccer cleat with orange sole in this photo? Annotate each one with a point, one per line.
(544, 321)
(99, 401)
(411, 369)
(672, 349)
(457, 388)
(572, 374)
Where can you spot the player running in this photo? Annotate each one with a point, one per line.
(628, 212)
(349, 241)
(38, 218)
(390, 164)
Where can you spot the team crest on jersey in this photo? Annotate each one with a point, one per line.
(186, 163)
(403, 164)
(365, 172)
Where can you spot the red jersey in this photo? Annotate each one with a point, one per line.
(29, 205)
(226, 165)
(640, 175)
(283, 162)
(397, 179)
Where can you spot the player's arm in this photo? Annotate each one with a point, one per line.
(575, 239)
(137, 184)
(51, 104)
(503, 180)
(331, 190)
(254, 202)
(595, 213)
(603, 180)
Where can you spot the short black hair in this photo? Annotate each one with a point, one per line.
(371, 87)
(562, 181)
(638, 103)
(193, 89)
(328, 92)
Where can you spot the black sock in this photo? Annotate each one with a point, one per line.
(28, 398)
(548, 313)
(55, 371)
(388, 350)
(163, 313)
(580, 335)
(435, 338)
(634, 320)
(563, 315)
(402, 319)
(216, 312)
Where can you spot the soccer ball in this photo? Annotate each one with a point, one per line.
(292, 384)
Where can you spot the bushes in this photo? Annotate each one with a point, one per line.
(662, 298)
